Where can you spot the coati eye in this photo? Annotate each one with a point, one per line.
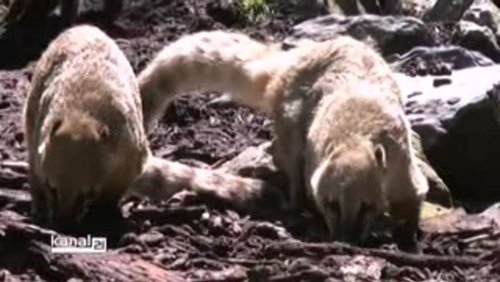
(380, 156)
(55, 126)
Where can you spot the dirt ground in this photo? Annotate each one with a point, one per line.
(191, 238)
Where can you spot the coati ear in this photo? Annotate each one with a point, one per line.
(55, 126)
(318, 174)
(380, 156)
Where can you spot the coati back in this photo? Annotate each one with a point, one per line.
(209, 61)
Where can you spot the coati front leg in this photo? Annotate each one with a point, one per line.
(406, 193)
(406, 233)
(288, 151)
(287, 155)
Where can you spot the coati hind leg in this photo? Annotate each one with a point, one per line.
(289, 160)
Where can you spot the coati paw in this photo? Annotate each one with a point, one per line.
(407, 240)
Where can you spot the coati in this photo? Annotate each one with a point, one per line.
(293, 87)
(83, 125)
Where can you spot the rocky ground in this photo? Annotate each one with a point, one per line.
(193, 239)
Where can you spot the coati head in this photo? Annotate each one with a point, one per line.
(348, 188)
(85, 161)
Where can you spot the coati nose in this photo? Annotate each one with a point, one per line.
(68, 213)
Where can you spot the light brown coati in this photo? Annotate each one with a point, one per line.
(83, 125)
(341, 133)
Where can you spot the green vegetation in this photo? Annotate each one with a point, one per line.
(255, 9)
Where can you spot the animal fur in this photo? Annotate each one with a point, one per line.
(161, 179)
(83, 125)
(341, 133)
(209, 61)
(32, 10)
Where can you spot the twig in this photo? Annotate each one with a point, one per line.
(305, 275)
(397, 258)
(480, 238)
(247, 262)
(15, 165)
(15, 195)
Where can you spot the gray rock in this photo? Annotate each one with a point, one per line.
(356, 7)
(447, 10)
(309, 8)
(391, 34)
(459, 123)
(483, 13)
(479, 38)
(448, 57)
(417, 8)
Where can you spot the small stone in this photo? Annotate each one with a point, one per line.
(441, 81)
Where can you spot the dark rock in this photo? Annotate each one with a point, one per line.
(438, 60)
(391, 34)
(447, 10)
(350, 7)
(459, 124)
(309, 8)
(478, 38)
(226, 12)
(483, 13)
